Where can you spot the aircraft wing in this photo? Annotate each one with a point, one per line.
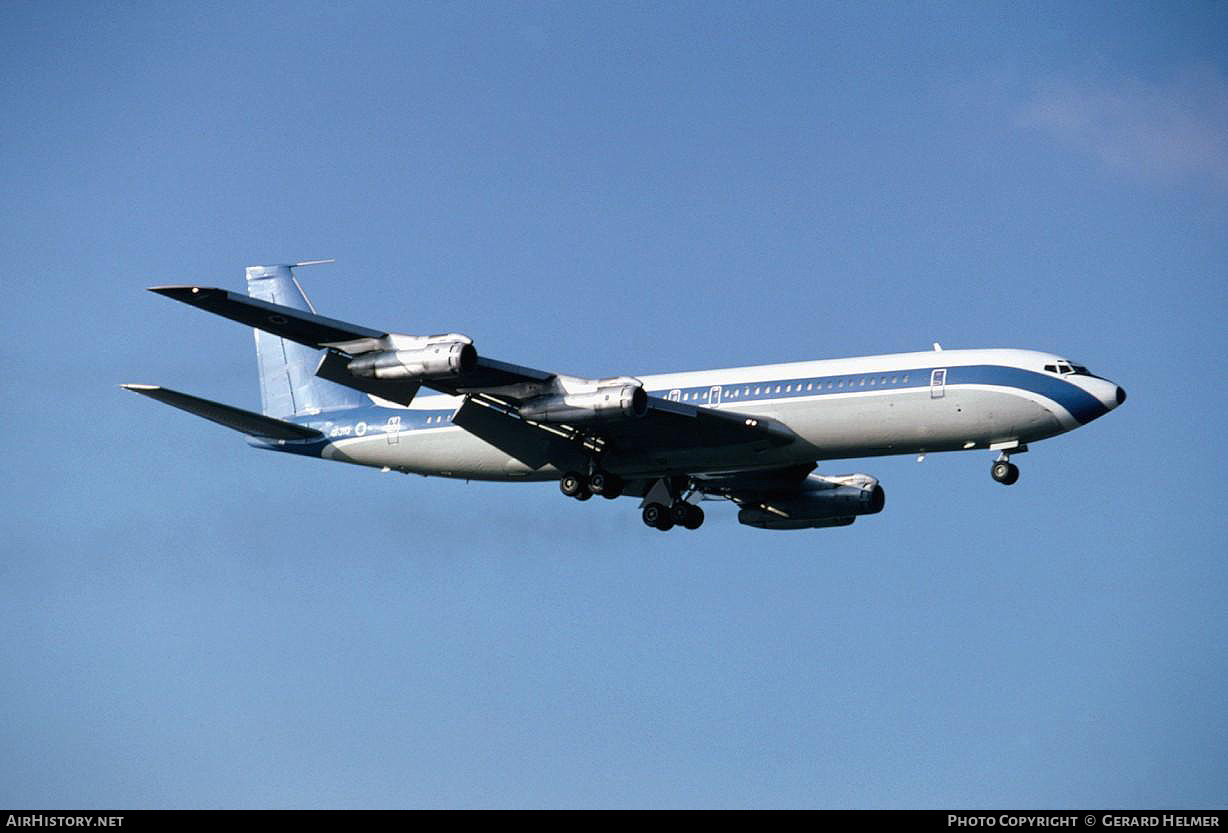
(680, 425)
(296, 325)
(667, 427)
(326, 333)
(784, 481)
(495, 384)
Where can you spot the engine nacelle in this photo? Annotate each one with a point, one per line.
(609, 402)
(432, 360)
(823, 501)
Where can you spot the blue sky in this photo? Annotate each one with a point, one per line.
(604, 189)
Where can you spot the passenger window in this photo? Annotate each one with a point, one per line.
(906, 378)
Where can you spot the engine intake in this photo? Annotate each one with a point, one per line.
(610, 402)
(822, 502)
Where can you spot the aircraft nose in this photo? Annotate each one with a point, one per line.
(1109, 394)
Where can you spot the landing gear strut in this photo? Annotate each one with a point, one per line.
(1003, 470)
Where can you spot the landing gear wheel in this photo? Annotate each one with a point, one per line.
(656, 515)
(1004, 472)
(572, 484)
(680, 512)
(584, 494)
(605, 484)
(695, 517)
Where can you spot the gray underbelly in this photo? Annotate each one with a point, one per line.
(863, 426)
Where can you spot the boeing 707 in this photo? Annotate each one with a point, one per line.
(750, 435)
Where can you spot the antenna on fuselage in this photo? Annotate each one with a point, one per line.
(937, 347)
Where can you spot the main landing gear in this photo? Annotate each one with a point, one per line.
(679, 513)
(1003, 470)
(574, 484)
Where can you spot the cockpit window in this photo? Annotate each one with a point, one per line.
(1066, 369)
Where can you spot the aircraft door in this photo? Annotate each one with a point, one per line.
(938, 383)
(714, 396)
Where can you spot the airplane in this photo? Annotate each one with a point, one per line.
(750, 435)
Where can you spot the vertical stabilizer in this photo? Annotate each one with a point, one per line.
(288, 384)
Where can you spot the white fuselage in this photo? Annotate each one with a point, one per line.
(903, 403)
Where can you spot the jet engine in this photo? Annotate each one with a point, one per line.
(822, 501)
(431, 357)
(612, 399)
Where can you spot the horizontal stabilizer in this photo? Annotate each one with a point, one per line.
(246, 422)
(296, 325)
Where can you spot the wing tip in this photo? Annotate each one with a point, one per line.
(144, 390)
(173, 290)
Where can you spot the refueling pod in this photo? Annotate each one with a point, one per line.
(823, 501)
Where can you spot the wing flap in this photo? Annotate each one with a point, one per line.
(667, 428)
(333, 368)
(527, 443)
(678, 425)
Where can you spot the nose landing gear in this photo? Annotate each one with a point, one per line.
(1003, 470)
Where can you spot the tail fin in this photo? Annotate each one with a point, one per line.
(288, 384)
